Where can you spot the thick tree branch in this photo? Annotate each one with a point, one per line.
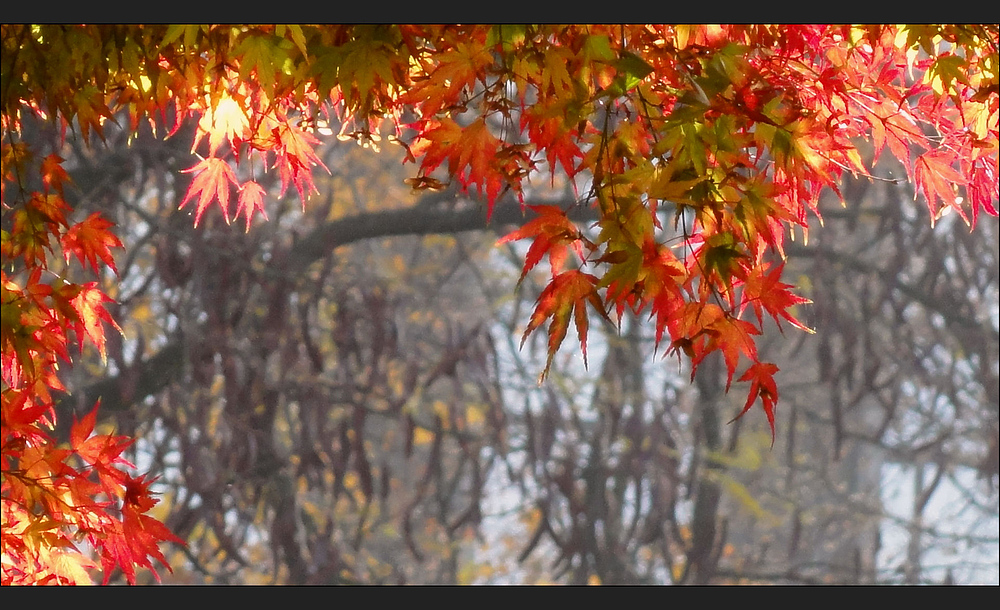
(157, 372)
(417, 220)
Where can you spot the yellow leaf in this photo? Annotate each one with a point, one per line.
(474, 415)
(422, 436)
(72, 566)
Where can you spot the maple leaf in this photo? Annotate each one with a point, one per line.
(474, 164)
(437, 143)
(718, 259)
(227, 120)
(660, 268)
(947, 68)
(622, 278)
(453, 71)
(761, 378)
(88, 305)
(698, 329)
(261, 54)
(82, 428)
(70, 566)
(90, 240)
(733, 337)
(366, 66)
(766, 291)
(687, 328)
(251, 200)
(546, 127)
(934, 175)
(137, 537)
(555, 77)
(144, 534)
(295, 157)
(21, 415)
(102, 452)
(471, 153)
(566, 294)
(983, 187)
(895, 127)
(53, 174)
(552, 231)
(91, 111)
(212, 181)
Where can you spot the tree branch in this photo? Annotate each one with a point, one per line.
(425, 218)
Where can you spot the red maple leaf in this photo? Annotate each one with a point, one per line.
(90, 240)
(566, 294)
(88, 306)
(138, 538)
(552, 232)
(766, 291)
(761, 378)
(471, 153)
(733, 337)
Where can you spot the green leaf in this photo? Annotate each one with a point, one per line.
(633, 68)
(262, 54)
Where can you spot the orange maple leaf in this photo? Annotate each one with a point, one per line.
(436, 144)
(698, 329)
(51, 206)
(687, 325)
(547, 130)
(102, 452)
(733, 337)
(477, 150)
(660, 272)
(53, 174)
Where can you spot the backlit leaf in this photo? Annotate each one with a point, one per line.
(211, 182)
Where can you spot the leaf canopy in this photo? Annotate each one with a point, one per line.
(734, 131)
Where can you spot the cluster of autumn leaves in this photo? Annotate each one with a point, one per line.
(56, 497)
(700, 147)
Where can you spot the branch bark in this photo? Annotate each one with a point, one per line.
(117, 393)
